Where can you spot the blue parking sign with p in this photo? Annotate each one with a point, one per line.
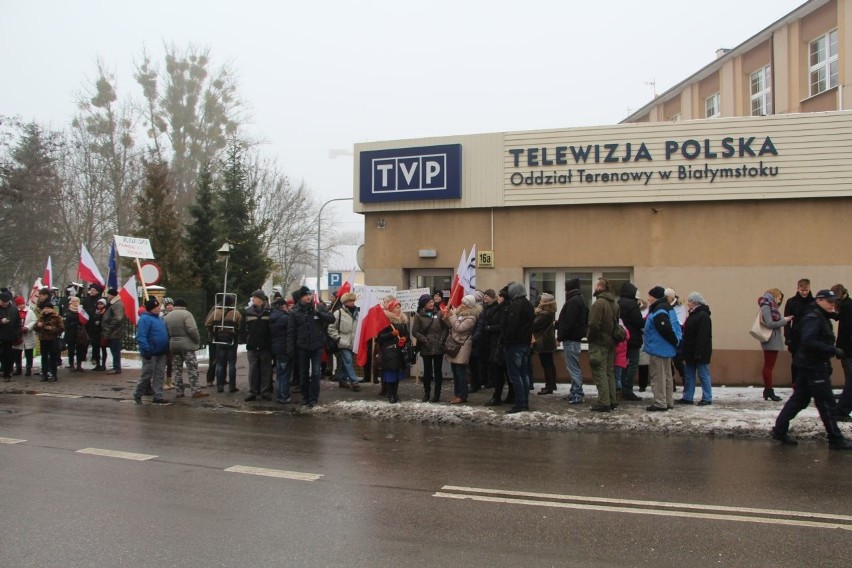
(335, 279)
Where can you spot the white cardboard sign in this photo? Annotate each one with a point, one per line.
(133, 247)
(408, 298)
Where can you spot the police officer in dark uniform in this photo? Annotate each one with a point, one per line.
(813, 363)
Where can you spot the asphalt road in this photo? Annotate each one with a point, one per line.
(339, 492)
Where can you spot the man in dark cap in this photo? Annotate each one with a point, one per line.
(153, 341)
(112, 328)
(662, 336)
(259, 347)
(10, 332)
(812, 359)
(571, 327)
(306, 338)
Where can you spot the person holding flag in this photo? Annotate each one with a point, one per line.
(112, 328)
(391, 340)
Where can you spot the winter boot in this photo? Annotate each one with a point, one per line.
(427, 391)
(436, 394)
(79, 367)
(384, 389)
(769, 394)
(28, 372)
(391, 392)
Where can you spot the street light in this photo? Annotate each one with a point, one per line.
(225, 250)
(319, 231)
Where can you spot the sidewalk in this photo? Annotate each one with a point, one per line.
(735, 412)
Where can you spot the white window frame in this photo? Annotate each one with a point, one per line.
(823, 74)
(760, 84)
(711, 106)
(559, 285)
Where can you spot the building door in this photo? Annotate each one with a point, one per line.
(433, 278)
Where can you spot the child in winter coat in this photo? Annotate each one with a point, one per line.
(621, 359)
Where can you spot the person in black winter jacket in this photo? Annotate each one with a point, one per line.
(631, 315)
(258, 347)
(813, 359)
(843, 306)
(697, 348)
(516, 337)
(571, 327)
(279, 319)
(493, 317)
(306, 339)
(796, 306)
(10, 331)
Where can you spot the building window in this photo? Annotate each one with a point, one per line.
(711, 106)
(761, 92)
(822, 58)
(553, 281)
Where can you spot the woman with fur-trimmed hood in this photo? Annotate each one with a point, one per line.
(544, 340)
(462, 321)
(391, 340)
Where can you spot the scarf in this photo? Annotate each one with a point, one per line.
(768, 300)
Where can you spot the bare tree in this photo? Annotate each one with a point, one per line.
(194, 106)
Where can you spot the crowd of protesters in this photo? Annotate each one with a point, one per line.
(490, 341)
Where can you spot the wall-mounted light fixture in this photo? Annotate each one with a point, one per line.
(381, 223)
(427, 253)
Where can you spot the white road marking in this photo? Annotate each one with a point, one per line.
(59, 395)
(254, 412)
(696, 506)
(478, 496)
(297, 475)
(11, 441)
(116, 454)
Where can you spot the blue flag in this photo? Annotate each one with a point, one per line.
(112, 279)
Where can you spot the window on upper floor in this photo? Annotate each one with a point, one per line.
(711, 106)
(822, 59)
(761, 92)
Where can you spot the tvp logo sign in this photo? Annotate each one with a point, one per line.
(404, 174)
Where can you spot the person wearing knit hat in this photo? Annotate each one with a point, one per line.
(490, 293)
(258, 335)
(571, 327)
(428, 331)
(26, 345)
(10, 332)
(300, 293)
(259, 294)
(342, 332)
(662, 338)
(544, 340)
(112, 328)
(462, 323)
(152, 337)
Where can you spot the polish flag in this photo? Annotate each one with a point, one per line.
(348, 286)
(130, 299)
(37, 285)
(87, 269)
(370, 326)
(83, 315)
(457, 290)
(47, 279)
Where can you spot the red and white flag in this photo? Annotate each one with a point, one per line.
(348, 286)
(82, 315)
(369, 327)
(87, 269)
(130, 299)
(457, 290)
(47, 279)
(37, 285)
(468, 277)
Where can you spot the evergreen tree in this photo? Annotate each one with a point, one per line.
(249, 265)
(203, 238)
(158, 220)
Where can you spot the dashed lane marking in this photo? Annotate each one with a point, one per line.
(600, 504)
(11, 441)
(116, 454)
(280, 473)
(58, 395)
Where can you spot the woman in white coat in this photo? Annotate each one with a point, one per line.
(24, 349)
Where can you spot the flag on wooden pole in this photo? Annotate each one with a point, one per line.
(87, 269)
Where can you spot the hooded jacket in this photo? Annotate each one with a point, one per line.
(543, 328)
(112, 324)
(151, 335)
(662, 330)
(183, 331)
(343, 328)
(519, 318)
(631, 314)
(573, 321)
(698, 336)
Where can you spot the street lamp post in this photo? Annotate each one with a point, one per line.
(319, 232)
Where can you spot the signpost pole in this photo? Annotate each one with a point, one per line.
(141, 279)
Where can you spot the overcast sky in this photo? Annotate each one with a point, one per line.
(321, 76)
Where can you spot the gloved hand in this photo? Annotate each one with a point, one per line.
(402, 341)
(839, 353)
(395, 332)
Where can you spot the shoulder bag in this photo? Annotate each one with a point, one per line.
(760, 331)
